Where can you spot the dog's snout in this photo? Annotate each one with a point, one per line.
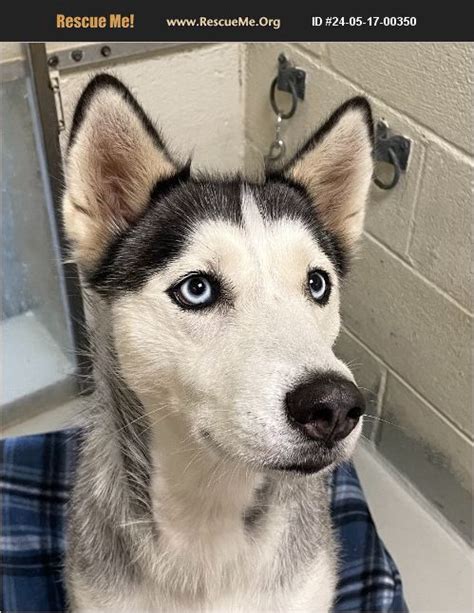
(326, 407)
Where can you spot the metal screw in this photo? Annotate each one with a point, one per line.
(53, 61)
(77, 55)
(106, 51)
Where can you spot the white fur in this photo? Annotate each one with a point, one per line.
(227, 374)
(232, 371)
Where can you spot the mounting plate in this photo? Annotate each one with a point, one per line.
(386, 139)
(286, 73)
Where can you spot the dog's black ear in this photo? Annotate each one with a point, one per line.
(115, 158)
(335, 167)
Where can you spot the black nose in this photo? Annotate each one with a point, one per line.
(326, 407)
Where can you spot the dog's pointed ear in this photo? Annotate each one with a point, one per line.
(335, 167)
(114, 159)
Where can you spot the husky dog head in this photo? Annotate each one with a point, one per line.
(224, 294)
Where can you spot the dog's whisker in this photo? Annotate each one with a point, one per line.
(385, 421)
(365, 437)
(143, 416)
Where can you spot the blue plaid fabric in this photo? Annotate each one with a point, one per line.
(36, 478)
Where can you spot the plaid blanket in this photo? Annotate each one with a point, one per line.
(37, 473)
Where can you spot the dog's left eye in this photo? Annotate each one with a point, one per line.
(195, 292)
(319, 286)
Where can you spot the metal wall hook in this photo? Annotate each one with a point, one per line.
(393, 149)
(291, 80)
(294, 100)
(396, 172)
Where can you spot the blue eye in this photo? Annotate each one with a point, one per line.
(319, 286)
(195, 292)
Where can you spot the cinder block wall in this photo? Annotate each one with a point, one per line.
(407, 307)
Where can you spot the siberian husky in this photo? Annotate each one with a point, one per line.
(219, 405)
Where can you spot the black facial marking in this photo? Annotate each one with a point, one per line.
(163, 188)
(179, 204)
(282, 197)
(255, 514)
(161, 233)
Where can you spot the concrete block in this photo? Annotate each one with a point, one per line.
(413, 328)
(429, 451)
(390, 212)
(430, 82)
(316, 49)
(441, 241)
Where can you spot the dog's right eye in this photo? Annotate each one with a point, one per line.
(196, 291)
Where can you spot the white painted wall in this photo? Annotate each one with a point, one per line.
(194, 96)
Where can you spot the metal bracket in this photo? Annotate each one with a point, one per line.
(289, 75)
(385, 139)
(55, 84)
(92, 55)
(289, 79)
(393, 149)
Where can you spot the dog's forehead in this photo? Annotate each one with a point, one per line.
(196, 222)
(258, 243)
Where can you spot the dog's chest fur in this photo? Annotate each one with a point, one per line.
(225, 543)
(232, 537)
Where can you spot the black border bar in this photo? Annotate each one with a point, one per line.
(37, 21)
